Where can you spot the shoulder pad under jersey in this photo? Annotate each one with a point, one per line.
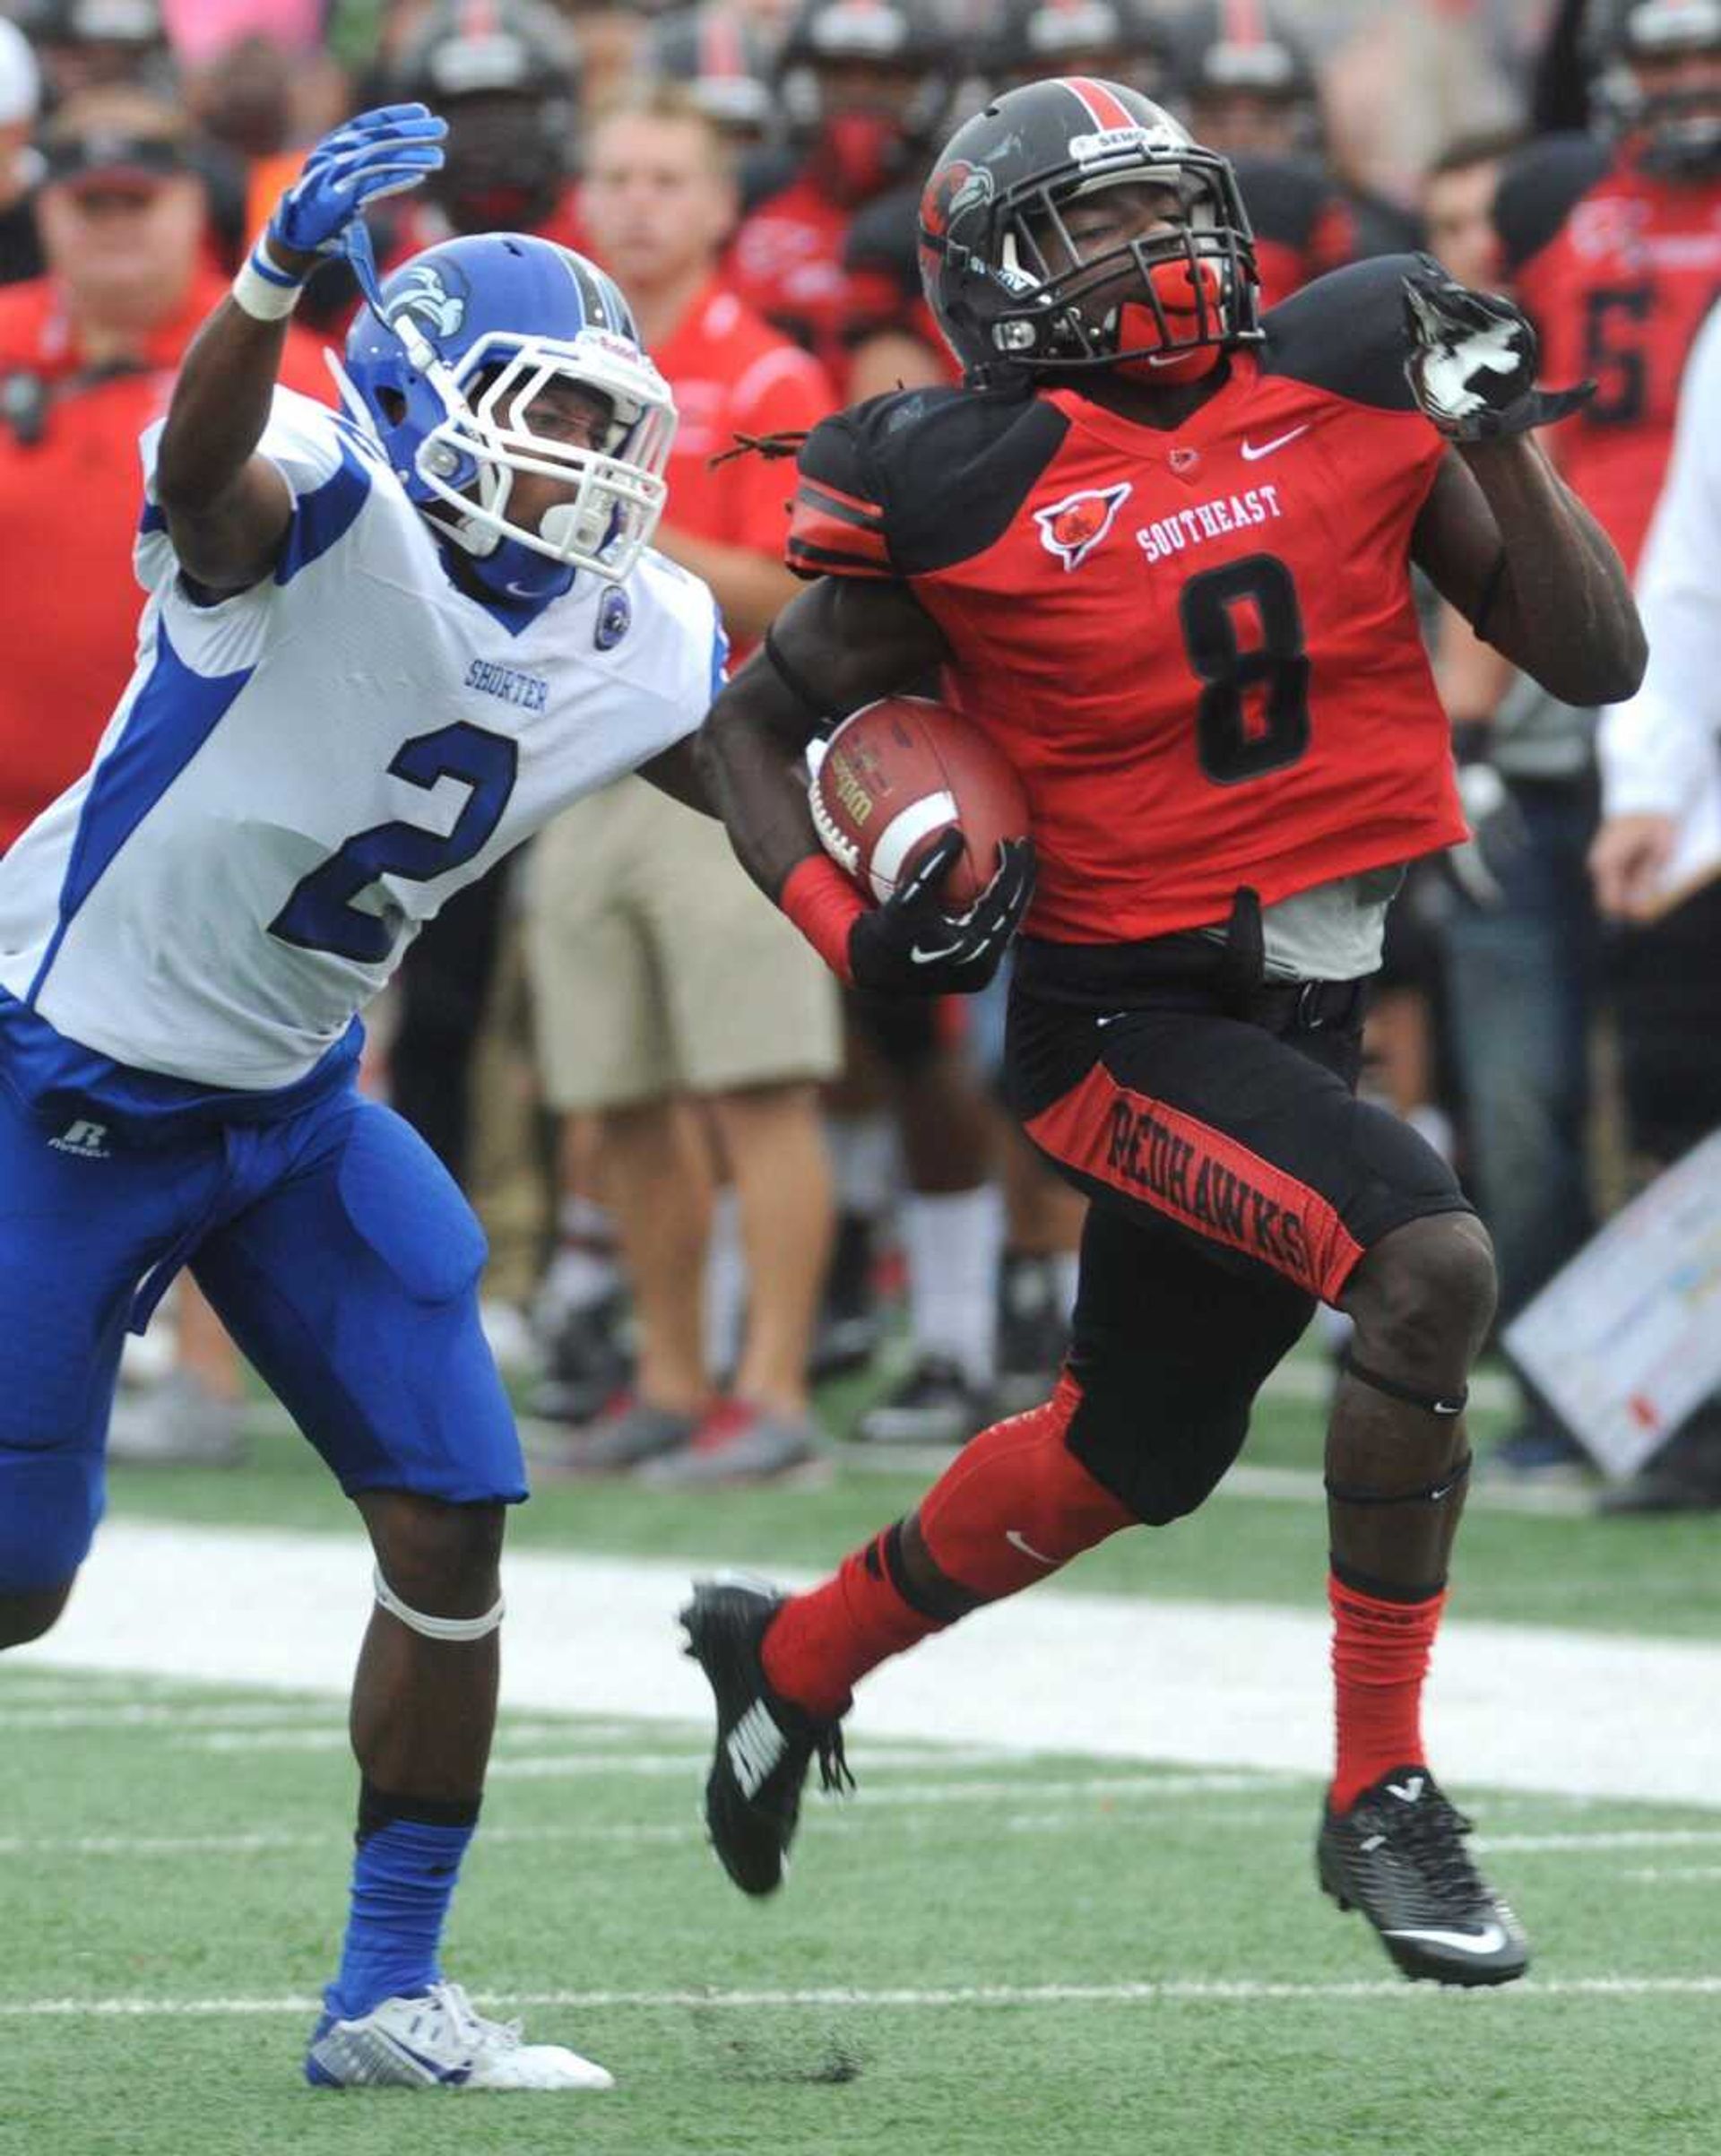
(917, 480)
(1346, 333)
(1539, 188)
(884, 235)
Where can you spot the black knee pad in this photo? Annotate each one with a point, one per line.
(1162, 1465)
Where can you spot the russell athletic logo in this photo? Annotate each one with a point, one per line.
(86, 1141)
(1072, 528)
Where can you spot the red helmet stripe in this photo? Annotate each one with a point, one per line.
(722, 42)
(1245, 23)
(1104, 108)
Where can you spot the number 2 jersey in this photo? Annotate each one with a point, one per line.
(297, 777)
(1197, 646)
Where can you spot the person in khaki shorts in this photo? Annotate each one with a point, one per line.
(675, 1002)
(667, 985)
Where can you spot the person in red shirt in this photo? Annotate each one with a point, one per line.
(88, 355)
(1614, 247)
(1161, 548)
(658, 203)
(662, 980)
(866, 88)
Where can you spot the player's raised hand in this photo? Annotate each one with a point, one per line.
(910, 946)
(1471, 364)
(375, 153)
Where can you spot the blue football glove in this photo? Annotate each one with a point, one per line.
(374, 154)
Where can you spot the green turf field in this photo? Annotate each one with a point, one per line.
(982, 1952)
(974, 1955)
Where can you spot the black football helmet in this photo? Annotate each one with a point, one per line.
(505, 75)
(907, 46)
(995, 204)
(1120, 40)
(1237, 66)
(1679, 123)
(719, 53)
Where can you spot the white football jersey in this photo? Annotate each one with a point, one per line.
(299, 776)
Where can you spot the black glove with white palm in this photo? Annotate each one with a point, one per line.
(910, 946)
(1471, 361)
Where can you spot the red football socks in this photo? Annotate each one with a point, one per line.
(1012, 1506)
(1381, 1654)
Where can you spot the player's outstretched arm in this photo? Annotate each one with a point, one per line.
(836, 645)
(227, 507)
(1501, 535)
(1515, 550)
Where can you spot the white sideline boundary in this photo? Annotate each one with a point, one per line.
(1173, 1991)
(1198, 1684)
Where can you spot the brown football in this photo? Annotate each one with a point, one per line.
(895, 777)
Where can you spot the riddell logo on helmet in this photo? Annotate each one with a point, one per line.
(1072, 528)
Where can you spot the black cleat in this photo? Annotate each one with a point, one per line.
(765, 1744)
(1399, 1855)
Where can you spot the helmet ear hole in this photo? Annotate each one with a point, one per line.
(394, 405)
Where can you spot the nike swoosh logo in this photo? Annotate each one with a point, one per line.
(922, 958)
(1028, 1549)
(430, 2067)
(1112, 1018)
(1489, 1940)
(1254, 452)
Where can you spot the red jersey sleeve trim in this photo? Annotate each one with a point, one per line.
(836, 533)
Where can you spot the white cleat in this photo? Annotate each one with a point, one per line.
(438, 2040)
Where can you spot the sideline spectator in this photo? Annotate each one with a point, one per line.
(20, 93)
(87, 359)
(1520, 933)
(658, 972)
(1661, 758)
(866, 87)
(85, 43)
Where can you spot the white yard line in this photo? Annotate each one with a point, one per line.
(1173, 1991)
(1200, 1684)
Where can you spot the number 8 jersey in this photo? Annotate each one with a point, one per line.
(1198, 646)
(298, 776)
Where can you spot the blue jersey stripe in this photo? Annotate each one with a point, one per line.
(324, 516)
(173, 715)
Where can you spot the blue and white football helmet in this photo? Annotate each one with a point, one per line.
(443, 366)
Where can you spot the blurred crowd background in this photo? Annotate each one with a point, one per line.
(710, 1182)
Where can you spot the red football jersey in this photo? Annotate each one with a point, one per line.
(1618, 267)
(789, 262)
(1197, 646)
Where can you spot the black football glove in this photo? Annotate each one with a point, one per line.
(911, 947)
(1472, 362)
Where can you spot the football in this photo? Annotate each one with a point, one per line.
(894, 776)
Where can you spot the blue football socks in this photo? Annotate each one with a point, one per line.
(403, 1878)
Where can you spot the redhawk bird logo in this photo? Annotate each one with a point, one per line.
(1072, 528)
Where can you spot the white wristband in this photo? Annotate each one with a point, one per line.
(263, 291)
